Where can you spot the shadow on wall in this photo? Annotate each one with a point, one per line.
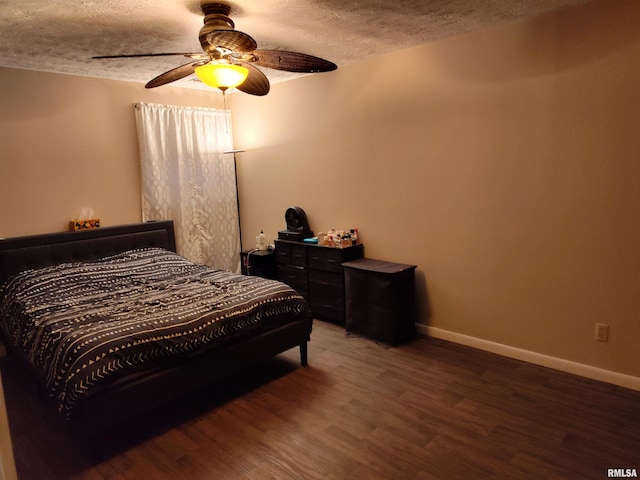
(423, 308)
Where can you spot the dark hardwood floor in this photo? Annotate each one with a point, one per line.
(427, 410)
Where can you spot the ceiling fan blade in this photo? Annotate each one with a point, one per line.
(256, 83)
(136, 55)
(173, 75)
(292, 61)
(232, 40)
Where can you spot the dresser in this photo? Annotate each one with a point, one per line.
(316, 272)
(380, 300)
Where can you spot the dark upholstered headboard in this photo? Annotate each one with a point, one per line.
(35, 251)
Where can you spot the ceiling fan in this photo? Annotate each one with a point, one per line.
(222, 45)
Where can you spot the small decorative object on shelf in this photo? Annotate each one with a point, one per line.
(261, 241)
(339, 238)
(85, 220)
(84, 224)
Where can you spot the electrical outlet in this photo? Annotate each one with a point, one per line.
(602, 332)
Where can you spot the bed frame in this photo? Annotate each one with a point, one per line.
(142, 392)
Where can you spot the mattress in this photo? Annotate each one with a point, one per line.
(83, 325)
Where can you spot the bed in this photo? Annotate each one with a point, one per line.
(111, 322)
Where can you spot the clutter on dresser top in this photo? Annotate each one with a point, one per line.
(298, 230)
(339, 238)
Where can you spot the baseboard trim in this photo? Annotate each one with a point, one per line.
(568, 366)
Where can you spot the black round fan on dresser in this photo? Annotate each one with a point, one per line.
(297, 225)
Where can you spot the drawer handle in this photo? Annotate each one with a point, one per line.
(328, 306)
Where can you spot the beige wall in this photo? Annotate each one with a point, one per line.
(70, 142)
(504, 165)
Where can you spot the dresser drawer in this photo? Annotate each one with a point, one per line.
(295, 277)
(291, 254)
(326, 295)
(327, 259)
(327, 310)
(283, 255)
(326, 283)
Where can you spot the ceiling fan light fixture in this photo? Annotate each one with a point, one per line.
(222, 75)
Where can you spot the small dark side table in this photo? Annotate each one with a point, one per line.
(380, 300)
(259, 263)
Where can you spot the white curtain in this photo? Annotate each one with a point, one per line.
(187, 178)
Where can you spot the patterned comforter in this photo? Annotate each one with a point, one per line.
(83, 325)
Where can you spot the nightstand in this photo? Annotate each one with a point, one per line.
(380, 300)
(259, 263)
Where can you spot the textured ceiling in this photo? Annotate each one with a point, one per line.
(62, 35)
